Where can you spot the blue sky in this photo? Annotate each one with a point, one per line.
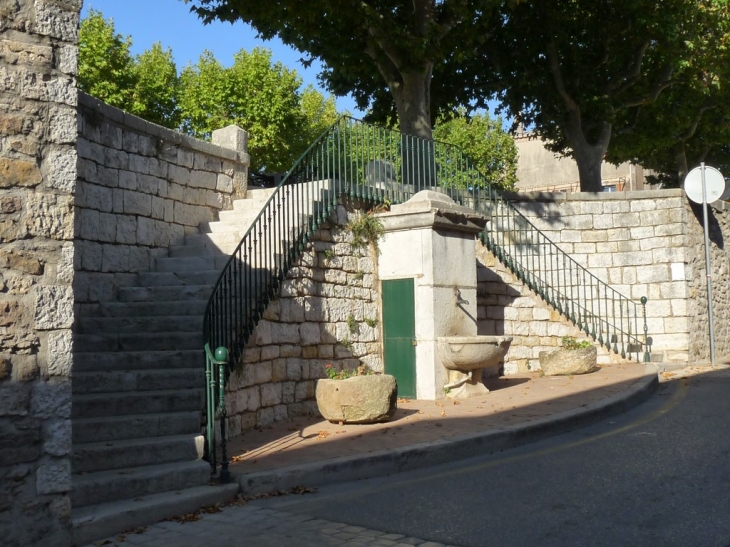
(171, 23)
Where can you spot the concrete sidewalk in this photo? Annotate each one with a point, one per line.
(310, 452)
(518, 409)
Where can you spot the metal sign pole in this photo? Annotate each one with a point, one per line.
(708, 267)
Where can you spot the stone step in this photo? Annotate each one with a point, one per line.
(130, 325)
(140, 402)
(96, 522)
(214, 241)
(133, 482)
(144, 309)
(138, 380)
(237, 216)
(135, 360)
(164, 294)
(198, 277)
(114, 428)
(190, 264)
(138, 341)
(102, 456)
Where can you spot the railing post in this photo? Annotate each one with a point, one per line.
(647, 356)
(221, 359)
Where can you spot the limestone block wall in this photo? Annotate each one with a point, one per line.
(327, 312)
(141, 188)
(633, 241)
(38, 59)
(719, 223)
(506, 306)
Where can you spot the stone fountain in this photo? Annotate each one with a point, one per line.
(431, 239)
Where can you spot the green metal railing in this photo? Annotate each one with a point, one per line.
(377, 165)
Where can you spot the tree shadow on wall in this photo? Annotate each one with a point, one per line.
(494, 295)
(713, 225)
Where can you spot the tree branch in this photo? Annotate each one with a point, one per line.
(630, 76)
(554, 63)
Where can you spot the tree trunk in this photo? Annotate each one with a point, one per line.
(412, 96)
(680, 158)
(589, 160)
(588, 156)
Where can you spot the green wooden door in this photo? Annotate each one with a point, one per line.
(399, 334)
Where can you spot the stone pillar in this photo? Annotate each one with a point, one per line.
(431, 239)
(38, 57)
(235, 138)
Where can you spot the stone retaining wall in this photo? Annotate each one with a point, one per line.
(699, 339)
(141, 188)
(38, 130)
(319, 318)
(633, 241)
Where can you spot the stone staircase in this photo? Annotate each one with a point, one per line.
(138, 388)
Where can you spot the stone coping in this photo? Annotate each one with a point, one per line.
(593, 196)
(148, 128)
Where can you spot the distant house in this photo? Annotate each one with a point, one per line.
(540, 170)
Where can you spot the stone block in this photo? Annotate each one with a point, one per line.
(57, 437)
(59, 355)
(53, 308)
(360, 399)
(263, 372)
(51, 399)
(53, 476)
(652, 274)
(136, 203)
(289, 350)
(271, 394)
(309, 334)
(115, 258)
(107, 227)
(294, 368)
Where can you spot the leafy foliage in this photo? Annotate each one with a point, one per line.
(386, 53)
(579, 70)
(485, 142)
(570, 343)
(261, 96)
(106, 67)
(145, 86)
(690, 122)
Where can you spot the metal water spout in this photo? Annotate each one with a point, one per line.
(459, 299)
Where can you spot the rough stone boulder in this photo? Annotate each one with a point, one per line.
(358, 400)
(565, 362)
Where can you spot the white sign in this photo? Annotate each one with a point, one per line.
(714, 184)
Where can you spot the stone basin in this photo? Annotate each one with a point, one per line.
(471, 352)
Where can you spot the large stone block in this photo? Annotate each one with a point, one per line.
(53, 307)
(360, 399)
(568, 362)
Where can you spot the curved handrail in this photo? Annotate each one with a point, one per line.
(378, 165)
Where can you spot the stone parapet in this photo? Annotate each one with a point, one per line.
(142, 188)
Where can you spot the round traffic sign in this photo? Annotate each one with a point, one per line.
(714, 184)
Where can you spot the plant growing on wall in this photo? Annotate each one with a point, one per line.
(366, 230)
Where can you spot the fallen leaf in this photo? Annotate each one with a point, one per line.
(322, 435)
(443, 413)
(457, 403)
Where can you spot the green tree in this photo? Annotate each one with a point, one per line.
(156, 87)
(580, 70)
(145, 86)
(485, 142)
(258, 95)
(106, 67)
(689, 122)
(366, 44)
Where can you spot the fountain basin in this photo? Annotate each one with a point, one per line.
(471, 352)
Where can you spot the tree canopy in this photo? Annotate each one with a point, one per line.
(414, 47)
(579, 71)
(260, 96)
(485, 142)
(690, 122)
(263, 97)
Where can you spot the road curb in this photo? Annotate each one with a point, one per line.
(422, 455)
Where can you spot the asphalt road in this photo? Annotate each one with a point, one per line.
(658, 475)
